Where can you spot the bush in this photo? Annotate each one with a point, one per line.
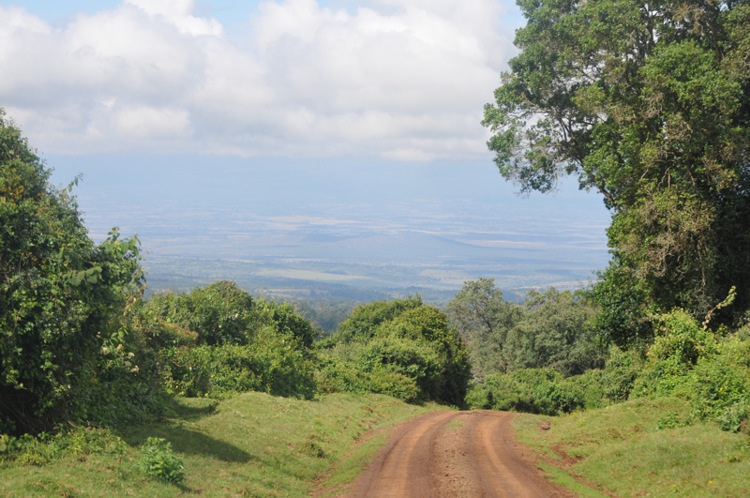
(363, 321)
(272, 364)
(125, 382)
(158, 461)
(542, 391)
(720, 388)
(681, 337)
(403, 348)
(620, 372)
(679, 344)
(39, 450)
(392, 383)
(413, 359)
(340, 375)
(592, 386)
(337, 374)
(286, 367)
(187, 370)
(219, 313)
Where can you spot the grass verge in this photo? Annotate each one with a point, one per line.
(250, 445)
(639, 448)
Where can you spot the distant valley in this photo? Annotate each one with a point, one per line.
(290, 233)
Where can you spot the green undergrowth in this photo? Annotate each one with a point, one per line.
(639, 448)
(250, 445)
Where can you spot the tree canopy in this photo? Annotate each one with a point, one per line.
(647, 103)
(550, 329)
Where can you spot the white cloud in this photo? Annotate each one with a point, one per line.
(148, 122)
(179, 14)
(398, 79)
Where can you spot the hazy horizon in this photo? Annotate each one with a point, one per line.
(286, 224)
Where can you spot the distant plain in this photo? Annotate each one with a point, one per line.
(358, 230)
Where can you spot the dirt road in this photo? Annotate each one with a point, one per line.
(454, 454)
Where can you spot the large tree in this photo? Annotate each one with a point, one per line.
(483, 318)
(647, 103)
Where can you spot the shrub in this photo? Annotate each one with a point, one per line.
(720, 388)
(592, 388)
(681, 337)
(187, 370)
(272, 364)
(219, 313)
(403, 348)
(392, 383)
(158, 461)
(362, 322)
(620, 372)
(125, 382)
(542, 391)
(337, 374)
(45, 447)
(414, 359)
(680, 343)
(286, 368)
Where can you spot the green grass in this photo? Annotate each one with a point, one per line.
(250, 445)
(623, 450)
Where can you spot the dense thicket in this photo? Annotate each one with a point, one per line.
(546, 355)
(218, 340)
(61, 295)
(649, 104)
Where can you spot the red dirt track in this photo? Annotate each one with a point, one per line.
(454, 454)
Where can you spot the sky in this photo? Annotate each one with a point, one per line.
(302, 104)
(394, 79)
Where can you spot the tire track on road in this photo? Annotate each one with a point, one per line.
(454, 454)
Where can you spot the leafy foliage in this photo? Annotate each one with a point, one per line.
(269, 365)
(719, 387)
(362, 322)
(692, 362)
(60, 294)
(403, 348)
(550, 329)
(45, 447)
(647, 104)
(219, 313)
(556, 330)
(158, 461)
(483, 319)
(218, 341)
(680, 343)
(542, 391)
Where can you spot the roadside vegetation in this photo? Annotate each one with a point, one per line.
(638, 447)
(252, 444)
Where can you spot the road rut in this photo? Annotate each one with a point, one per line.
(454, 454)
